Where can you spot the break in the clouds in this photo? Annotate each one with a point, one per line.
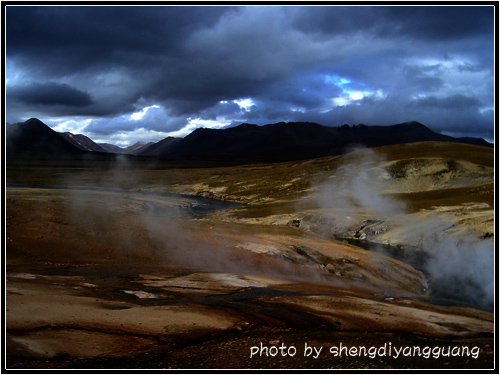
(125, 73)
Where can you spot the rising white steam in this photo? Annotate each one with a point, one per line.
(459, 267)
(356, 187)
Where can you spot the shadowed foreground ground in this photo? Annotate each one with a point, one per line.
(104, 270)
(97, 285)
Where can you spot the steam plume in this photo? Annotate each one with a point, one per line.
(460, 267)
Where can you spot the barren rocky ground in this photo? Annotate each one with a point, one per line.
(104, 269)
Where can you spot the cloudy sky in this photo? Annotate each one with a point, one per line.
(120, 74)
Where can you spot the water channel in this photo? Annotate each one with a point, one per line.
(190, 205)
(445, 292)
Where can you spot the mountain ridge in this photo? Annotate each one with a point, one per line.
(282, 141)
(82, 141)
(297, 140)
(33, 138)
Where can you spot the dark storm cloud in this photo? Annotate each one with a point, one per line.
(326, 64)
(416, 22)
(223, 108)
(454, 102)
(61, 40)
(440, 22)
(50, 94)
(423, 79)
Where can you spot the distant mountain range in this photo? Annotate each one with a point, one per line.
(111, 148)
(243, 143)
(162, 147)
(135, 149)
(292, 141)
(85, 143)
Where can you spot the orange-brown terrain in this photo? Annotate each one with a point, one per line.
(122, 267)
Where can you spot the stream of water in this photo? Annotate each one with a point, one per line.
(447, 293)
(194, 205)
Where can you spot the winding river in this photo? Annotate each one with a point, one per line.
(191, 205)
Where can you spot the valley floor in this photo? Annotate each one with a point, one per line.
(100, 278)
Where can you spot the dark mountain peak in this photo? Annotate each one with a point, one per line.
(242, 128)
(33, 121)
(138, 144)
(158, 148)
(34, 125)
(245, 125)
(295, 124)
(33, 138)
(201, 131)
(415, 125)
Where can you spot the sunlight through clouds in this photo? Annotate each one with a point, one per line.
(245, 104)
(194, 123)
(142, 112)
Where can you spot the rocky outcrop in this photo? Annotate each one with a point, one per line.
(371, 228)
